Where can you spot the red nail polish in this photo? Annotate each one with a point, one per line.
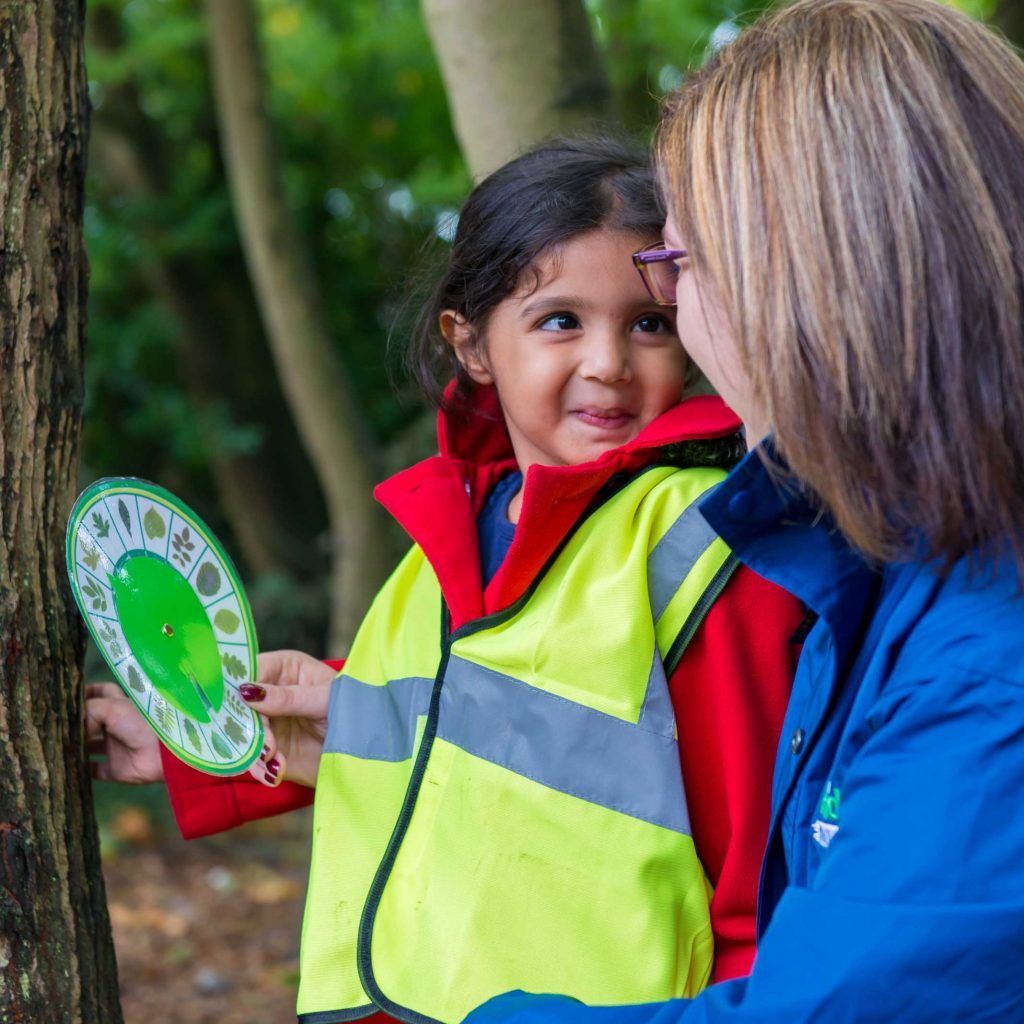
(270, 779)
(273, 767)
(252, 692)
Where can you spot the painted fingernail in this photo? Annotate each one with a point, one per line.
(266, 750)
(270, 779)
(251, 692)
(273, 767)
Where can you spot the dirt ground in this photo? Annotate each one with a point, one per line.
(206, 931)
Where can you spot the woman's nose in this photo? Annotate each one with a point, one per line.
(607, 358)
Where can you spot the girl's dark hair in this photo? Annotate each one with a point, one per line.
(537, 201)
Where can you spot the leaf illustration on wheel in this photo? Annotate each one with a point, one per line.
(223, 750)
(135, 680)
(168, 613)
(234, 732)
(109, 636)
(193, 736)
(154, 525)
(233, 667)
(208, 579)
(95, 595)
(182, 544)
(163, 714)
(122, 511)
(226, 621)
(235, 705)
(100, 525)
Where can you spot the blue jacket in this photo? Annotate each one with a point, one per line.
(893, 883)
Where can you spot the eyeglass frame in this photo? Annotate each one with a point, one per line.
(643, 258)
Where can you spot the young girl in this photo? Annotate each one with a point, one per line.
(499, 801)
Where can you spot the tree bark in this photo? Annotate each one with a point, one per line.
(516, 73)
(56, 954)
(315, 384)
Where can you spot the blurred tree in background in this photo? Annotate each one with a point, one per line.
(181, 387)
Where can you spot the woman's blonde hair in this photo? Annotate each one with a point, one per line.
(849, 179)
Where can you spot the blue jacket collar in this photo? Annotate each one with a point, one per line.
(764, 516)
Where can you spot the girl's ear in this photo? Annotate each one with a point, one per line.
(456, 330)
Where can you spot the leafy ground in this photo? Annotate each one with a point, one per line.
(206, 931)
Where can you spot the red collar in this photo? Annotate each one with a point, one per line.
(437, 500)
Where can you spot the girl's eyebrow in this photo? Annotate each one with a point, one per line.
(551, 304)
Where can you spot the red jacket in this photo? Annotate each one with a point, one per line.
(729, 691)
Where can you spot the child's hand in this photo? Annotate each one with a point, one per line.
(115, 728)
(293, 689)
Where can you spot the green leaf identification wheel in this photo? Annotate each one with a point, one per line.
(165, 606)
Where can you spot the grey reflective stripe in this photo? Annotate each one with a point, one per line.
(556, 742)
(675, 555)
(656, 712)
(375, 722)
(563, 745)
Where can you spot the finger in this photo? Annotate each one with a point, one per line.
(97, 745)
(275, 770)
(100, 770)
(269, 773)
(278, 668)
(292, 668)
(111, 690)
(98, 712)
(269, 740)
(292, 701)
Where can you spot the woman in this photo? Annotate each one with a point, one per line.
(846, 181)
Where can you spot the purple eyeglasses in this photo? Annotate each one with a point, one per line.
(658, 271)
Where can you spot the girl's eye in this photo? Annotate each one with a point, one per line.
(560, 322)
(652, 325)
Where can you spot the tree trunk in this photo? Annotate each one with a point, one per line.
(56, 955)
(314, 382)
(516, 73)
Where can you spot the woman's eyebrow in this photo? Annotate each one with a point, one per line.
(552, 304)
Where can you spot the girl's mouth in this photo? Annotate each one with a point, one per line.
(603, 419)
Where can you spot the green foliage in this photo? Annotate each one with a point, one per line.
(371, 170)
(982, 9)
(651, 44)
(370, 164)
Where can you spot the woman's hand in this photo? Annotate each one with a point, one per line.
(115, 728)
(293, 689)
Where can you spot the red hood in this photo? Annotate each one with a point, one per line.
(437, 500)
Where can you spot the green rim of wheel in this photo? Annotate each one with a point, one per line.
(167, 611)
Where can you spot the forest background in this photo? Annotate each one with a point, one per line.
(270, 184)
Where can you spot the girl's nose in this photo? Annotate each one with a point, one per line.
(607, 358)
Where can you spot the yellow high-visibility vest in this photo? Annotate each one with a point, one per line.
(502, 806)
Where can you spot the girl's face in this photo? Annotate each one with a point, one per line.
(584, 361)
